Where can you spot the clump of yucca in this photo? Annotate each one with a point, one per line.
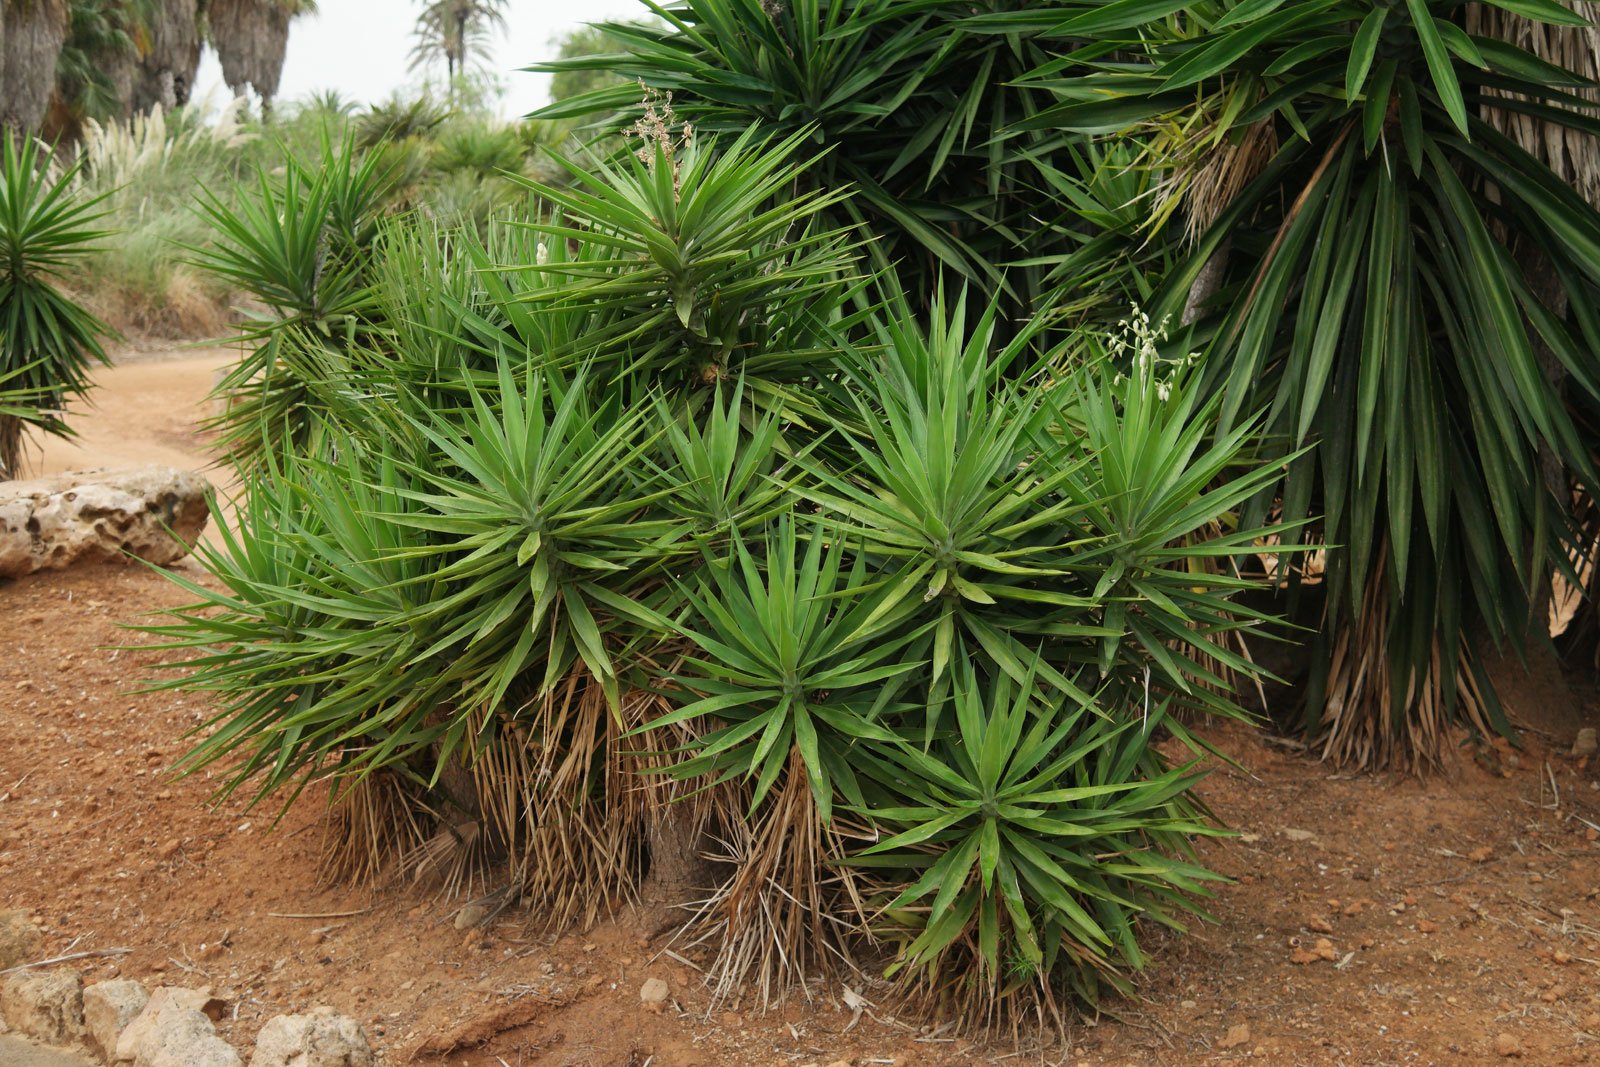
(650, 530)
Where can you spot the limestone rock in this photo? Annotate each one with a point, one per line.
(108, 1008)
(44, 1005)
(19, 938)
(1585, 744)
(654, 993)
(100, 515)
(173, 1031)
(323, 1038)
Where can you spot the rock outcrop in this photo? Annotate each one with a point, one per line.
(173, 1031)
(152, 513)
(44, 1005)
(108, 1008)
(322, 1038)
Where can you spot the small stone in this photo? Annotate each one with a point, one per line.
(169, 848)
(322, 1038)
(654, 993)
(471, 916)
(1507, 1045)
(1317, 924)
(1481, 855)
(1299, 835)
(108, 1008)
(1238, 1034)
(172, 1020)
(1426, 927)
(1586, 743)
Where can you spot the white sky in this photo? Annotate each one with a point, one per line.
(360, 48)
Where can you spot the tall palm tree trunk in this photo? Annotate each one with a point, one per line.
(252, 39)
(166, 73)
(33, 33)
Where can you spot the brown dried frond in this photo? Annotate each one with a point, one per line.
(580, 852)
(1573, 154)
(251, 38)
(784, 913)
(1364, 727)
(34, 33)
(455, 856)
(1211, 178)
(171, 56)
(372, 822)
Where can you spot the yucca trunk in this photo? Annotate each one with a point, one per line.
(1573, 154)
(34, 31)
(166, 73)
(251, 37)
(12, 446)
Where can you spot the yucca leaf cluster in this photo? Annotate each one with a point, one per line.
(49, 342)
(1362, 215)
(656, 507)
(1402, 282)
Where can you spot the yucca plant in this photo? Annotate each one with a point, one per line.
(1019, 856)
(1034, 516)
(1402, 284)
(303, 247)
(910, 102)
(48, 342)
(671, 537)
(710, 237)
(1052, 541)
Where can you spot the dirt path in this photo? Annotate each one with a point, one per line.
(15, 1052)
(1371, 919)
(145, 409)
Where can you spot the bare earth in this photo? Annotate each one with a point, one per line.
(1373, 920)
(143, 410)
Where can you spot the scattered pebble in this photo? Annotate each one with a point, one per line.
(1238, 1034)
(654, 993)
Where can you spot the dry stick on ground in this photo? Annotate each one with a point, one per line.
(317, 915)
(69, 957)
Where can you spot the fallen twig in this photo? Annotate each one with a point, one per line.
(317, 915)
(68, 958)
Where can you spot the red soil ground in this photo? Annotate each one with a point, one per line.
(1374, 919)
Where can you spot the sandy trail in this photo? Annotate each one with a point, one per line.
(145, 408)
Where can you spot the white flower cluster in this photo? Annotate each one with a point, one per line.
(1137, 336)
